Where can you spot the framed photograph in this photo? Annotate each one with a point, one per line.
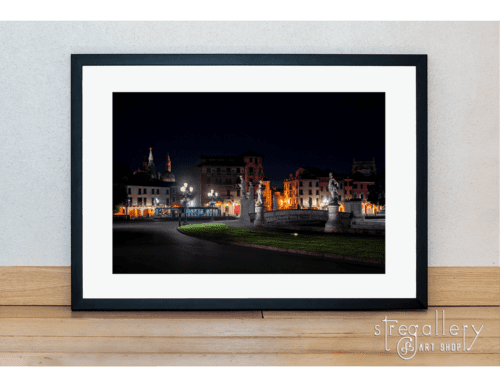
(249, 182)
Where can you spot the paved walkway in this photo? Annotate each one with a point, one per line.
(157, 247)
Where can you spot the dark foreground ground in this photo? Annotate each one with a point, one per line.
(157, 247)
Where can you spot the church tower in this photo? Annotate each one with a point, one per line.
(168, 165)
(168, 176)
(151, 164)
(150, 159)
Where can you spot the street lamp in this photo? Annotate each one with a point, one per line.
(187, 192)
(325, 201)
(156, 200)
(127, 204)
(213, 196)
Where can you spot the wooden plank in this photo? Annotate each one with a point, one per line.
(303, 324)
(464, 286)
(58, 312)
(35, 285)
(54, 336)
(331, 359)
(61, 312)
(454, 312)
(239, 345)
(448, 286)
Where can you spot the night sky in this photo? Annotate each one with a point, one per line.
(322, 130)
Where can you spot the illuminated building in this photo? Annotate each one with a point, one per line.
(267, 194)
(145, 196)
(222, 174)
(313, 182)
(280, 198)
(147, 189)
(304, 185)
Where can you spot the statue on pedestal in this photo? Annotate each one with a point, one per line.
(243, 188)
(275, 203)
(259, 209)
(333, 187)
(259, 194)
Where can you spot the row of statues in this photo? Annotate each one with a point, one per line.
(260, 201)
(333, 187)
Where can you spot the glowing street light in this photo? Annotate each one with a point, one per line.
(187, 192)
(213, 196)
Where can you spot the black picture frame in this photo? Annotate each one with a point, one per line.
(80, 303)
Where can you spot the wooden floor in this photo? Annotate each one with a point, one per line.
(37, 327)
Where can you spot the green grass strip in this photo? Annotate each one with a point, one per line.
(342, 244)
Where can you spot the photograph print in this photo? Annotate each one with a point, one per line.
(248, 183)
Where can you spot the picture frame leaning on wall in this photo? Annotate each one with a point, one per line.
(105, 278)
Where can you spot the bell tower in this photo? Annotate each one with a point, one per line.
(168, 164)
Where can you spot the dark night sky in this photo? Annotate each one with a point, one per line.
(322, 130)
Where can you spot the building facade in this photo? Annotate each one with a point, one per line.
(306, 183)
(309, 182)
(147, 189)
(223, 175)
(143, 197)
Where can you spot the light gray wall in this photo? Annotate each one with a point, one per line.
(35, 118)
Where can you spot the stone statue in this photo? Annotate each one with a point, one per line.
(333, 187)
(243, 188)
(275, 203)
(259, 194)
